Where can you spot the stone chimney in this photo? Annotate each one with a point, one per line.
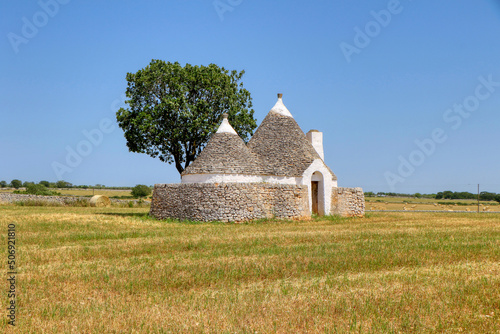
(316, 139)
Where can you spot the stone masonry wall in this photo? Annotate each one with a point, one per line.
(11, 198)
(229, 201)
(348, 202)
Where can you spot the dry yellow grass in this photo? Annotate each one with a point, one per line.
(114, 270)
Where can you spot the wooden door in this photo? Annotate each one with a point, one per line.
(314, 195)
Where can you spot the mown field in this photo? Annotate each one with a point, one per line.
(82, 192)
(426, 204)
(101, 270)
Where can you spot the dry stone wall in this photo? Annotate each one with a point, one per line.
(348, 202)
(12, 198)
(62, 200)
(229, 201)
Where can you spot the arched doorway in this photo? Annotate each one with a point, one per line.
(317, 194)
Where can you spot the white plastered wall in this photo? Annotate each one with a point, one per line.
(325, 185)
(316, 139)
(239, 178)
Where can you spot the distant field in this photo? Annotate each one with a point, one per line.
(93, 270)
(85, 192)
(412, 204)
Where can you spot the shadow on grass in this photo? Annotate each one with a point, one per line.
(146, 216)
(128, 214)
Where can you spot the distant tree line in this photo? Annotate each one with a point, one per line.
(61, 184)
(18, 184)
(483, 196)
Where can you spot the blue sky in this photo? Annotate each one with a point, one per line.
(406, 92)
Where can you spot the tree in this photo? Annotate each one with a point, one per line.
(16, 183)
(63, 184)
(3, 184)
(497, 198)
(173, 110)
(487, 196)
(26, 184)
(37, 189)
(447, 194)
(141, 190)
(44, 183)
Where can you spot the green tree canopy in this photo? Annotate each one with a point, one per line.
(173, 110)
(63, 184)
(16, 183)
(45, 183)
(27, 183)
(141, 190)
(38, 189)
(487, 196)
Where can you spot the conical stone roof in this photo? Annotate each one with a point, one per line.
(225, 153)
(281, 145)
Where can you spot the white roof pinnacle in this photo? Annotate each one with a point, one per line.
(225, 127)
(280, 108)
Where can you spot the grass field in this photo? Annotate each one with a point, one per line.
(100, 270)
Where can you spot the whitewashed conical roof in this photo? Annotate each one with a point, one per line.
(280, 108)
